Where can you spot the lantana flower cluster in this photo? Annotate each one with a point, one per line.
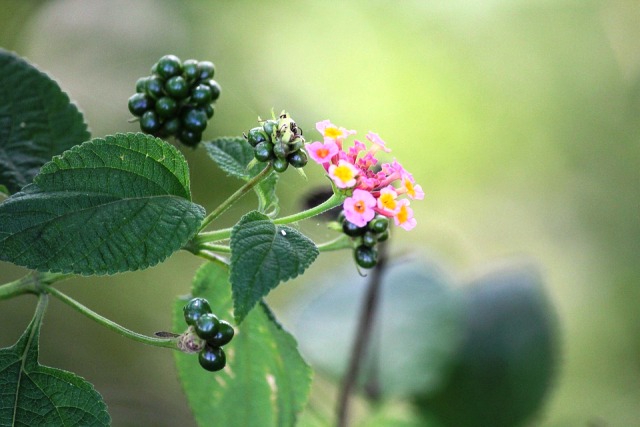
(375, 188)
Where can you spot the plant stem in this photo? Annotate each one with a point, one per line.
(29, 284)
(340, 242)
(109, 324)
(236, 196)
(363, 334)
(331, 202)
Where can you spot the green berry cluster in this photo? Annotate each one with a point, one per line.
(215, 332)
(366, 238)
(280, 142)
(176, 99)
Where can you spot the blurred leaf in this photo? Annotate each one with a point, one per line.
(4, 190)
(263, 255)
(36, 395)
(265, 383)
(233, 155)
(106, 206)
(507, 360)
(416, 334)
(37, 121)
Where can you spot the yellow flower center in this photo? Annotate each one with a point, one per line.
(343, 173)
(388, 201)
(403, 215)
(409, 186)
(332, 132)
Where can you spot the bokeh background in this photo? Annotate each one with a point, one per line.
(520, 119)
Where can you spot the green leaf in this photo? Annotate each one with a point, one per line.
(109, 205)
(417, 331)
(262, 256)
(265, 383)
(233, 155)
(37, 121)
(36, 395)
(4, 190)
(507, 360)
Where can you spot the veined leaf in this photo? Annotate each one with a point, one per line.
(233, 155)
(36, 395)
(109, 205)
(37, 121)
(263, 255)
(265, 383)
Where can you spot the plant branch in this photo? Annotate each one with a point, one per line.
(29, 284)
(340, 242)
(109, 324)
(236, 196)
(362, 338)
(331, 202)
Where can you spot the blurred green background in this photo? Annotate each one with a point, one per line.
(520, 119)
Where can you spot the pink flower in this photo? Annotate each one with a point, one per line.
(412, 190)
(358, 209)
(404, 218)
(322, 153)
(387, 202)
(331, 132)
(378, 143)
(343, 174)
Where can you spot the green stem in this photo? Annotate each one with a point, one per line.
(236, 196)
(29, 284)
(331, 202)
(109, 324)
(212, 257)
(223, 249)
(340, 242)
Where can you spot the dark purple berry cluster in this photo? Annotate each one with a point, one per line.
(215, 332)
(176, 99)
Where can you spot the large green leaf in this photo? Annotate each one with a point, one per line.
(263, 255)
(109, 205)
(233, 155)
(37, 121)
(507, 360)
(417, 329)
(36, 395)
(265, 383)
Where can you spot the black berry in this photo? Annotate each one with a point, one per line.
(207, 326)
(365, 256)
(224, 335)
(212, 358)
(195, 308)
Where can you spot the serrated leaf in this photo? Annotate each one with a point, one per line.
(233, 155)
(116, 204)
(417, 332)
(263, 255)
(37, 121)
(265, 382)
(36, 395)
(506, 363)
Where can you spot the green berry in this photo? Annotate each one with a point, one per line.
(264, 151)
(141, 84)
(212, 358)
(206, 70)
(149, 122)
(281, 150)
(379, 224)
(207, 326)
(256, 136)
(350, 229)
(139, 103)
(201, 95)
(154, 87)
(280, 165)
(195, 308)
(365, 256)
(209, 110)
(166, 107)
(171, 126)
(195, 120)
(270, 126)
(298, 159)
(224, 335)
(169, 66)
(369, 239)
(190, 69)
(189, 138)
(177, 87)
(383, 236)
(215, 89)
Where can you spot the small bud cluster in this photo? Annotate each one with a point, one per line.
(366, 238)
(215, 333)
(280, 142)
(177, 99)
